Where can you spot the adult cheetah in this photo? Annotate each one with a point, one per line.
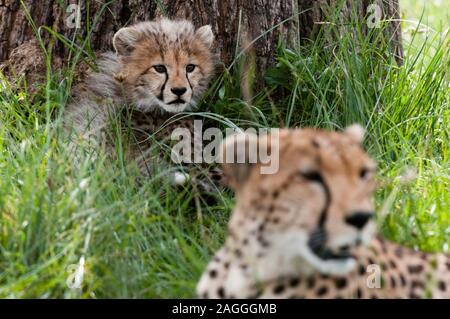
(307, 231)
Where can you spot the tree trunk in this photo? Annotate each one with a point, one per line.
(231, 21)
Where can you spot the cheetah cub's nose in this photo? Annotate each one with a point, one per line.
(178, 91)
(359, 219)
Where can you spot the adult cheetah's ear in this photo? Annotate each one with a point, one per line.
(125, 39)
(240, 154)
(355, 132)
(235, 155)
(205, 34)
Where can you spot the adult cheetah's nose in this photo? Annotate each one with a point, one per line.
(178, 91)
(359, 219)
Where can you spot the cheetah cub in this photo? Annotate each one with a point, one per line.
(160, 68)
(307, 231)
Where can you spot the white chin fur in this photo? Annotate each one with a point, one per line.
(175, 108)
(151, 104)
(329, 267)
(335, 267)
(291, 255)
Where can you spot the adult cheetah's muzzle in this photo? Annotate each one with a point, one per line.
(316, 243)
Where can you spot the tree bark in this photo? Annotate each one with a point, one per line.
(231, 21)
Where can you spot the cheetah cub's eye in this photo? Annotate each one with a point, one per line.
(160, 68)
(190, 68)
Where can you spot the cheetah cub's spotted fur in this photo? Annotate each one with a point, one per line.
(160, 68)
(307, 230)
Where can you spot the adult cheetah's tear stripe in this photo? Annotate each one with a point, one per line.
(318, 236)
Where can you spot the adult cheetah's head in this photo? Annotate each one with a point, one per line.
(315, 208)
(165, 64)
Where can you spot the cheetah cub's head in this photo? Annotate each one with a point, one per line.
(313, 210)
(165, 64)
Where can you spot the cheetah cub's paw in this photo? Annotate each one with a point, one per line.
(180, 178)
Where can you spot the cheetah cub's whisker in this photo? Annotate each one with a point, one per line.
(307, 231)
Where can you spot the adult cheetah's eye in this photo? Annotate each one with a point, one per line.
(190, 68)
(363, 173)
(312, 176)
(366, 172)
(160, 68)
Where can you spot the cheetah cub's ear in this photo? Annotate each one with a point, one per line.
(205, 34)
(236, 156)
(125, 39)
(355, 132)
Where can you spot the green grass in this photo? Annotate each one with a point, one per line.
(152, 241)
(434, 13)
